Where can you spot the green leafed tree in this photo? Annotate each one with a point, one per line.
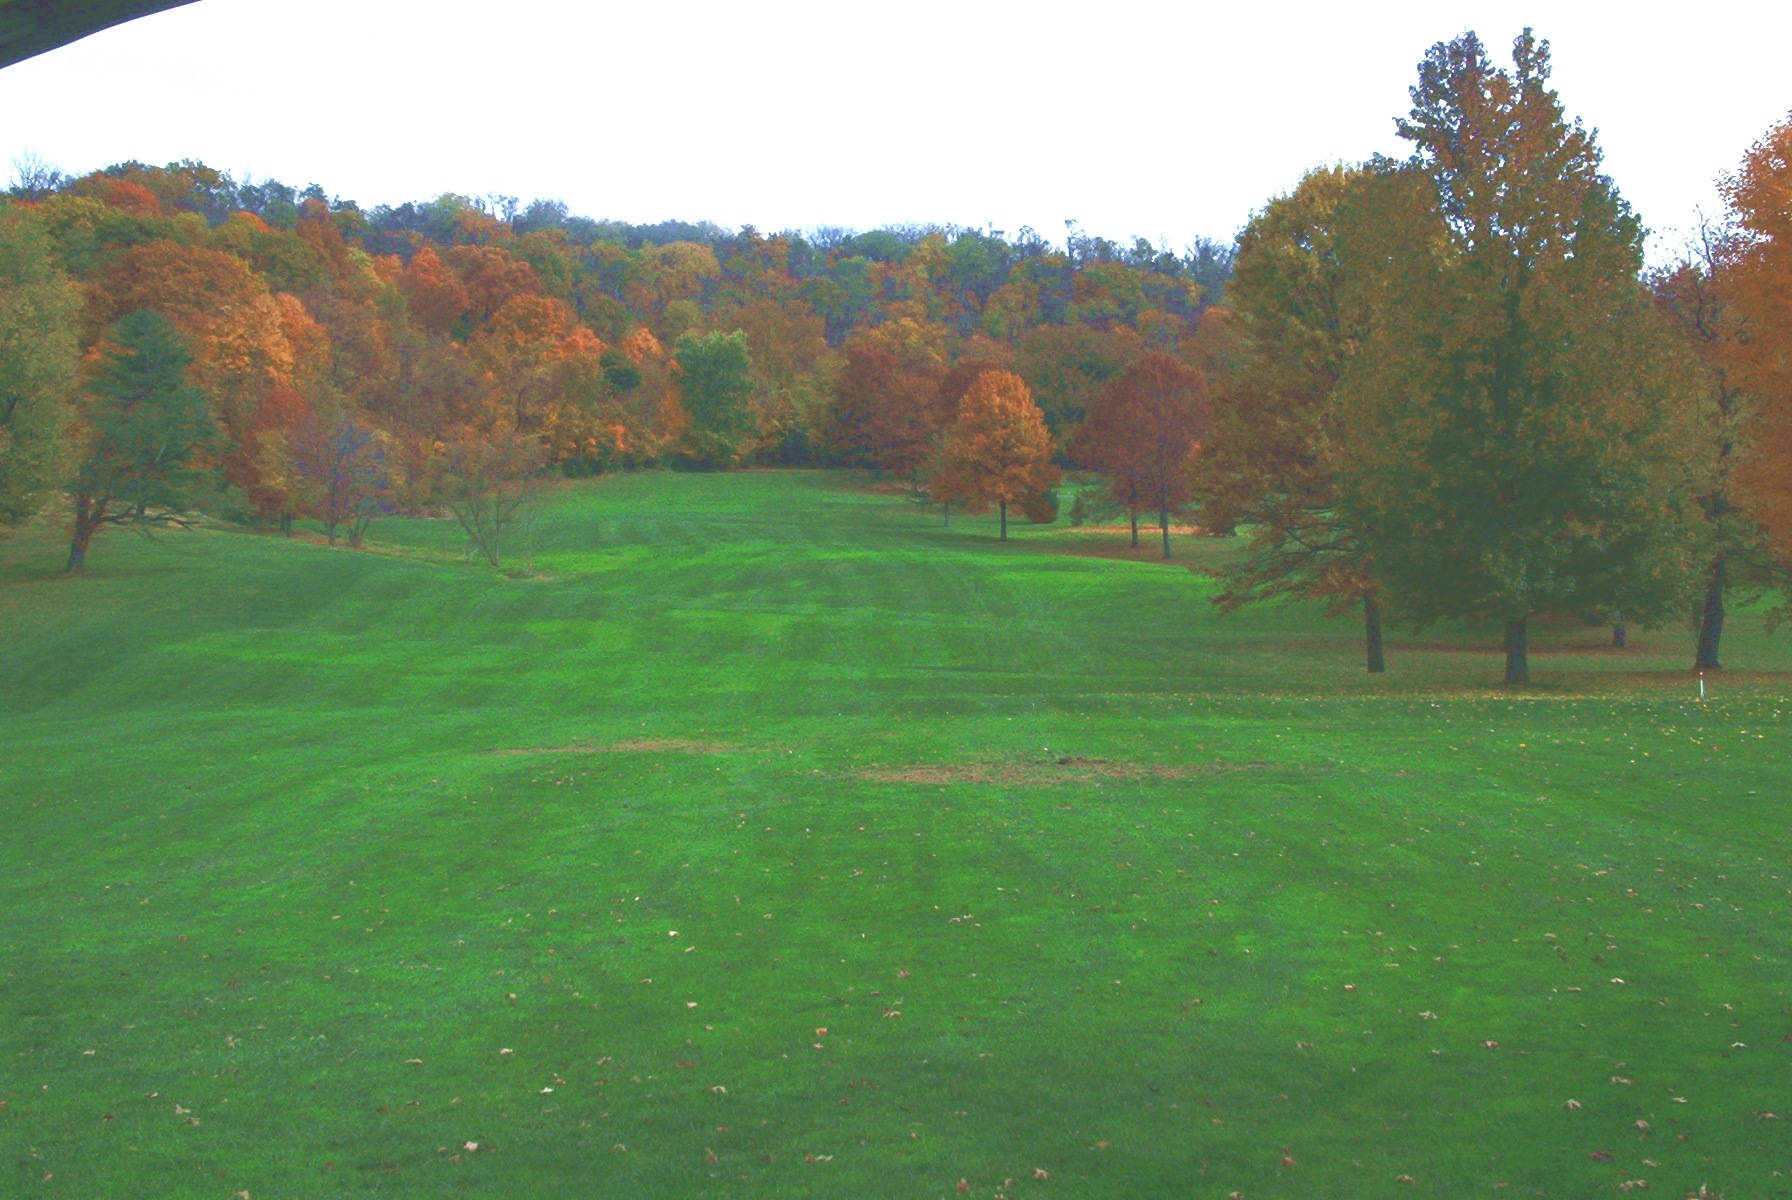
(144, 432)
(1306, 272)
(39, 357)
(1511, 410)
(716, 386)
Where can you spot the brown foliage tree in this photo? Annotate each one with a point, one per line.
(885, 414)
(1143, 432)
(489, 481)
(1692, 293)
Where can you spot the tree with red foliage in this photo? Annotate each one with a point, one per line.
(1142, 433)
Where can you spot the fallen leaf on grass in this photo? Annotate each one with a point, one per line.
(1572, 1104)
(1404, 1179)
(1041, 1173)
(1600, 1156)
(963, 1187)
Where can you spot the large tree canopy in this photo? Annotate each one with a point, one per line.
(30, 27)
(1511, 407)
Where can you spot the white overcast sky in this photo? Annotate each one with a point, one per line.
(1169, 120)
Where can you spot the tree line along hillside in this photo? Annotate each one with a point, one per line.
(1438, 387)
(405, 330)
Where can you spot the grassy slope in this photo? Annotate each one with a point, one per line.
(262, 845)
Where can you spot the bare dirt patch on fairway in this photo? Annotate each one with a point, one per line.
(1048, 773)
(1145, 530)
(632, 746)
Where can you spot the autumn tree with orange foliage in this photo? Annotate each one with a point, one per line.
(998, 451)
(523, 346)
(237, 333)
(1142, 433)
(434, 294)
(1756, 284)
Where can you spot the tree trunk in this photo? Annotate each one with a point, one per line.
(1711, 620)
(947, 509)
(1372, 634)
(1163, 519)
(1135, 531)
(1518, 665)
(88, 518)
(1619, 637)
(1004, 507)
(286, 523)
(332, 525)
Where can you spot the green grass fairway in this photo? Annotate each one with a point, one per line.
(773, 840)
